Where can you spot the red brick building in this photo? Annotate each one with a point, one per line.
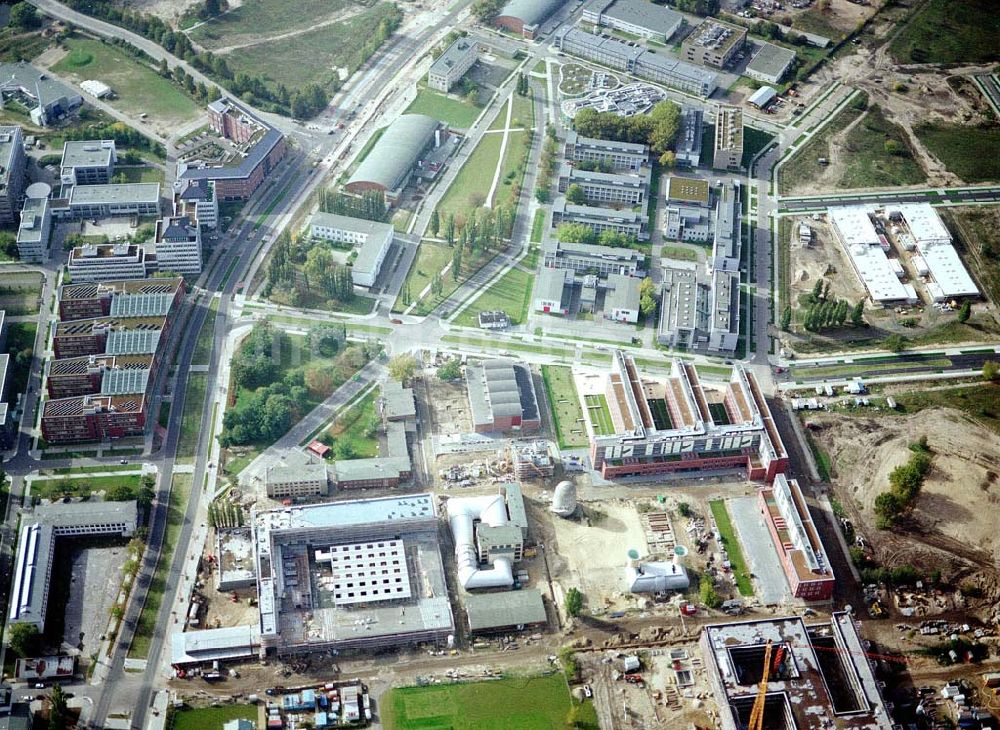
(94, 418)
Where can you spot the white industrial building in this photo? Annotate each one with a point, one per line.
(638, 17)
(867, 253)
(949, 277)
(372, 239)
(770, 63)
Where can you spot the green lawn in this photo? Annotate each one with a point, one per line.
(80, 486)
(511, 293)
(869, 164)
(194, 402)
(567, 415)
(962, 149)
(453, 110)
(814, 21)
(508, 346)
(430, 260)
(600, 416)
(732, 545)
(977, 237)
(512, 169)
(210, 717)
(245, 23)
(203, 345)
(981, 402)
(138, 88)
(140, 174)
(20, 337)
(77, 470)
(180, 492)
(679, 252)
(538, 226)
(867, 369)
(516, 703)
(473, 182)
(950, 31)
(351, 428)
(20, 292)
(313, 56)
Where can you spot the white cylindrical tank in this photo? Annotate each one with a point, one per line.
(564, 499)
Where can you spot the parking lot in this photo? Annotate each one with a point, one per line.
(95, 580)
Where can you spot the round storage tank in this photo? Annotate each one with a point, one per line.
(564, 499)
(38, 191)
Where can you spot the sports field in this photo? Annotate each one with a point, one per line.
(600, 416)
(537, 703)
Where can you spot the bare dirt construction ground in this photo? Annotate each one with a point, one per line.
(170, 10)
(823, 258)
(841, 18)
(953, 524)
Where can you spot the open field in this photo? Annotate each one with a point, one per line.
(732, 545)
(945, 31)
(977, 237)
(194, 402)
(599, 415)
(349, 433)
(453, 110)
(960, 149)
(146, 625)
(867, 162)
(430, 260)
(525, 703)
(250, 22)
(20, 292)
(314, 56)
(206, 717)
(472, 183)
(139, 89)
(80, 486)
(802, 171)
(511, 293)
(564, 401)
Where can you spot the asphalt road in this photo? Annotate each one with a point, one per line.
(967, 361)
(985, 194)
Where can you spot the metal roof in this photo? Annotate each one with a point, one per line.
(121, 382)
(654, 18)
(132, 342)
(771, 61)
(396, 151)
(530, 12)
(141, 304)
(501, 610)
(762, 96)
(623, 292)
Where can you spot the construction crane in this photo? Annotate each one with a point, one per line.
(757, 713)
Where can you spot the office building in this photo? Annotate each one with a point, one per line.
(689, 135)
(47, 99)
(587, 258)
(107, 201)
(150, 298)
(502, 397)
(728, 147)
(684, 305)
(714, 43)
(618, 156)
(12, 173)
(621, 298)
(553, 291)
(820, 674)
(88, 162)
(109, 262)
(627, 222)
(770, 63)
(448, 69)
(36, 545)
(35, 228)
(196, 199)
(372, 240)
(178, 245)
(637, 17)
(525, 17)
(602, 188)
(663, 425)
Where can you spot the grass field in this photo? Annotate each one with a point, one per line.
(180, 492)
(678, 253)
(538, 226)
(20, 336)
(511, 170)
(511, 293)
(430, 260)
(803, 166)
(210, 717)
(600, 416)
(961, 149)
(977, 237)
(80, 486)
(245, 23)
(565, 404)
(473, 181)
(77, 470)
(19, 293)
(194, 402)
(946, 31)
(203, 345)
(452, 110)
(139, 89)
(732, 545)
(868, 162)
(867, 369)
(981, 402)
(351, 428)
(538, 703)
(313, 56)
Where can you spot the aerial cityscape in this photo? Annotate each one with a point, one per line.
(499, 364)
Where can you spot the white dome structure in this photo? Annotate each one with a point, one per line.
(38, 191)
(564, 499)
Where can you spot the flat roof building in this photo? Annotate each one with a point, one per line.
(88, 162)
(489, 613)
(863, 245)
(820, 675)
(621, 298)
(728, 147)
(638, 17)
(525, 17)
(602, 188)
(35, 229)
(687, 190)
(373, 240)
(553, 291)
(299, 475)
(588, 258)
(599, 219)
(683, 307)
(12, 172)
(391, 161)
(107, 201)
(109, 262)
(621, 156)
(502, 397)
(770, 63)
(714, 43)
(177, 245)
(688, 140)
(665, 425)
(949, 279)
(452, 64)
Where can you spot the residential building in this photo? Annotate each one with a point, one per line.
(823, 671)
(525, 17)
(603, 187)
(452, 64)
(107, 201)
(178, 245)
(621, 156)
(88, 162)
(637, 17)
(390, 163)
(109, 262)
(372, 239)
(12, 172)
(633, 59)
(553, 291)
(689, 135)
(47, 99)
(39, 533)
(666, 425)
(35, 229)
(714, 43)
(502, 397)
(770, 63)
(197, 200)
(586, 258)
(621, 299)
(599, 219)
(728, 148)
(796, 539)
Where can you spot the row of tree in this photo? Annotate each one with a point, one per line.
(225, 514)
(547, 165)
(370, 205)
(581, 233)
(658, 129)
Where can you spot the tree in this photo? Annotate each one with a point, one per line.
(119, 493)
(858, 313)
(327, 338)
(542, 195)
(451, 370)
(964, 312)
(24, 639)
(435, 223)
(25, 17)
(402, 367)
(576, 195)
(786, 318)
(574, 602)
(212, 8)
(895, 343)
(684, 509)
(707, 593)
(991, 370)
(887, 510)
(817, 291)
(58, 718)
(894, 147)
(576, 233)
(668, 158)
(647, 297)
(485, 10)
